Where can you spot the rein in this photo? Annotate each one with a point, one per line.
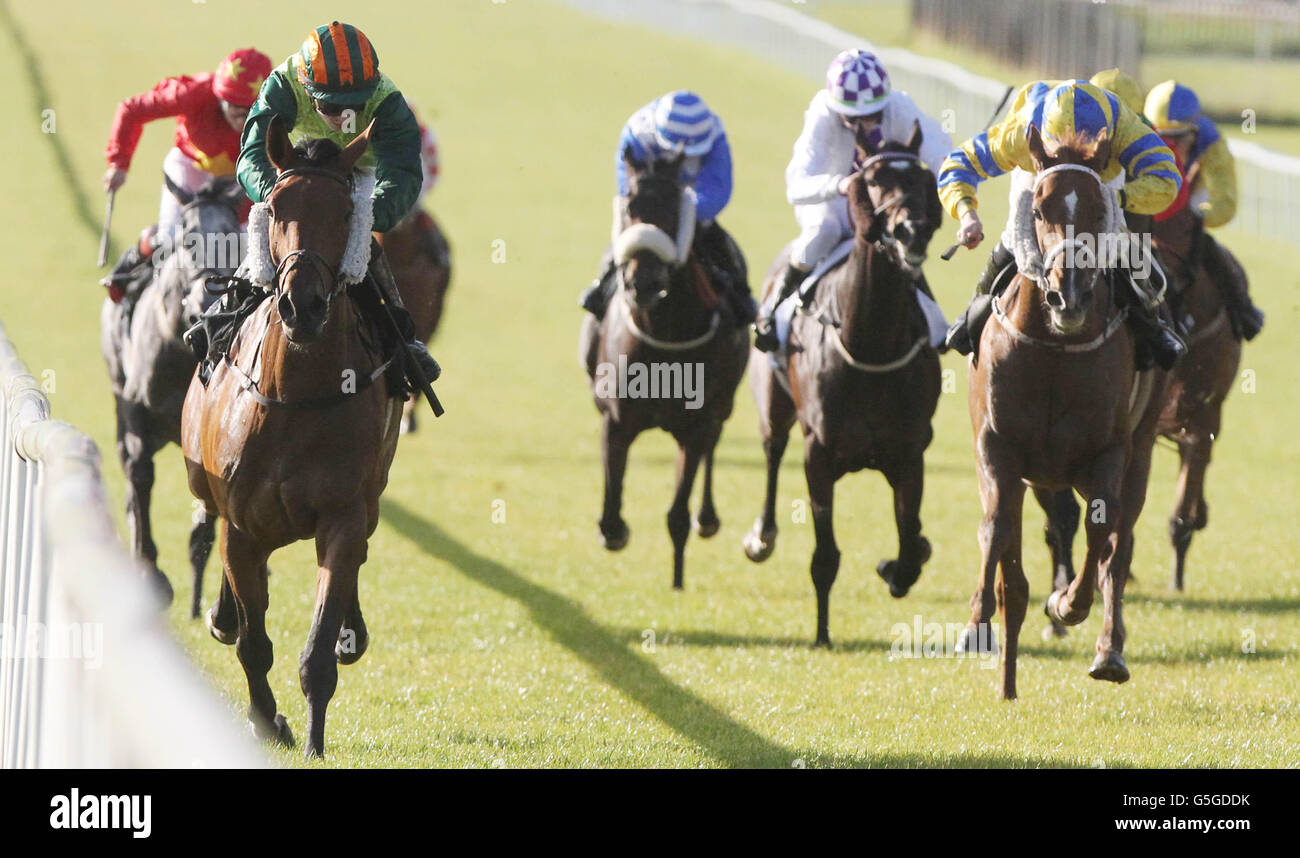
(671, 345)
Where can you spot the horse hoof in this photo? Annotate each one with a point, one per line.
(617, 540)
(1053, 611)
(1109, 667)
(888, 570)
(218, 634)
(162, 588)
(759, 543)
(707, 528)
(976, 641)
(278, 734)
(1054, 630)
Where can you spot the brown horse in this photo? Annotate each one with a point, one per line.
(289, 441)
(863, 379)
(420, 259)
(668, 329)
(1056, 403)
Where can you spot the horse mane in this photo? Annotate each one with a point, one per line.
(1074, 144)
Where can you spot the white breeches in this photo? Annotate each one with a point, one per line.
(188, 177)
(822, 227)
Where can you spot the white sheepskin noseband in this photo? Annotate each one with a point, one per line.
(258, 266)
(644, 236)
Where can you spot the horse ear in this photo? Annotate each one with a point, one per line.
(629, 159)
(1101, 152)
(914, 139)
(182, 196)
(933, 206)
(862, 138)
(232, 192)
(278, 147)
(356, 149)
(1036, 149)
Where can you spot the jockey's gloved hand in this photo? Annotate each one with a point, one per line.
(970, 232)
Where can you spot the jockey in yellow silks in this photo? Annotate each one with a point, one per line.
(1204, 158)
(1060, 111)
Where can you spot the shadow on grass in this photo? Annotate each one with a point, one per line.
(1255, 606)
(702, 638)
(43, 100)
(607, 652)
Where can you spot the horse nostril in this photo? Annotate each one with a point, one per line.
(1055, 300)
(285, 307)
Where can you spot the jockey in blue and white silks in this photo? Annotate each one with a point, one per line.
(681, 124)
(857, 95)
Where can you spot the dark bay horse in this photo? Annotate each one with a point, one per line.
(668, 354)
(863, 379)
(282, 448)
(420, 259)
(150, 367)
(1056, 403)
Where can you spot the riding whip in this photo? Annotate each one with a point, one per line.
(950, 252)
(108, 222)
(425, 386)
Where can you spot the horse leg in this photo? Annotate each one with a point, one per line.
(1100, 487)
(706, 520)
(826, 556)
(1109, 663)
(1002, 499)
(1059, 530)
(408, 424)
(615, 441)
(775, 427)
(1013, 595)
(222, 619)
(136, 445)
(907, 479)
(202, 535)
(340, 551)
(689, 453)
(1188, 517)
(245, 565)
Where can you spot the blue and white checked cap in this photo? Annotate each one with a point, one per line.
(857, 83)
(683, 119)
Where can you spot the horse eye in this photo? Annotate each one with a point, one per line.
(1038, 214)
(872, 183)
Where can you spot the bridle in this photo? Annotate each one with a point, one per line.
(884, 240)
(307, 255)
(1050, 258)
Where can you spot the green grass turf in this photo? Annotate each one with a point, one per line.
(523, 643)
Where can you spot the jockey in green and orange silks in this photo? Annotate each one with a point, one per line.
(1211, 192)
(332, 88)
(1141, 170)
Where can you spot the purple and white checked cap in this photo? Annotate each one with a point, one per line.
(858, 84)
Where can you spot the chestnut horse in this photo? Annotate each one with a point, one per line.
(289, 442)
(1193, 402)
(420, 260)
(1056, 403)
(863, 379)
(666, 322)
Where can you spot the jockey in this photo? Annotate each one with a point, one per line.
(431, 165)
(1062, 110)
(680, 122)
(332, 88)
(210, 111)
(857, 95)
(1203, 154)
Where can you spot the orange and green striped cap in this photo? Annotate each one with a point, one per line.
(338, 64)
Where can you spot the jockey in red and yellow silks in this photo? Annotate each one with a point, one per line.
(1211, 192)
(1059, 111)
(210, 109)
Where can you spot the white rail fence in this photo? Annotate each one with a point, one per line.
(89, 676)
(1269, 183)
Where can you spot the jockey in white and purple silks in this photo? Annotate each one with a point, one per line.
(681, 123)
(857, 95)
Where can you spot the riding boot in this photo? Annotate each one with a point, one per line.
(765, 338)
(724, 257)
(1246, 318)
(595, 299)
(382, 276)
(965, 332)
(1154, 331)
(124, 281)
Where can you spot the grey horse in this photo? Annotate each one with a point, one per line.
(150, 366)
